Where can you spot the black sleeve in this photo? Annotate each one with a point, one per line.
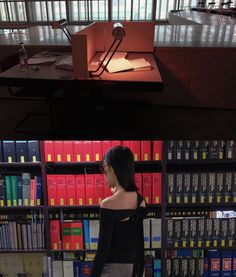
(104, 242)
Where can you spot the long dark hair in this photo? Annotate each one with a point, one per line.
(122, 161)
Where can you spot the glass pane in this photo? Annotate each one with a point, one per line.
(163, 7)
(3, 12)
(17, 11)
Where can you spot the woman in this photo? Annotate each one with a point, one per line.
(120, 250)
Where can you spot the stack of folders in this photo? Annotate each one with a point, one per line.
(65, 63)
(119, 62)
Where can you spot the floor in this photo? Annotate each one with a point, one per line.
(114, 120)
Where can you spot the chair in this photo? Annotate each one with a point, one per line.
(62, 24)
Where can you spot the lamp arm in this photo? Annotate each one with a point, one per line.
(97, 75)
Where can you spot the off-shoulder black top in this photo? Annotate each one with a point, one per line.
(121, 241)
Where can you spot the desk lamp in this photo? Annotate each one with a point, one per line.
(62, 24)
(118, 34)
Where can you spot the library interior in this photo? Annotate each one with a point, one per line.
(83, 79)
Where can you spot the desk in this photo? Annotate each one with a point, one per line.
(81, 96)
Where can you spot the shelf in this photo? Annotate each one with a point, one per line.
(18, 167)
(94, 167)
(22, 208)
(93, 250)
(23, 251)
(73, 207)
(199, 165)
(201, 248)
(200, 207)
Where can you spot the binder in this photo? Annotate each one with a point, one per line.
(231, 232)
(214, 268)
(87, 151)
(68, 150)
(195, 150)
(138, 182)
(106, 145)
(55, 234)
(85, 269)
(193, 232)
(221, 149)
(2, 191)
(32, 192)
(170, 188)
(96, 151)
(216, 232)
(204, 149)
(38, 181)
(179, 188)
(71, 190)
(52, 190)
(194, 188)
(203, 188)
(234, 264)
(57, 268)
(147, 187)
(126, 143)
(14, 190)
(209, 232)
(177, 232)
(184, 236)
(61, 190)
(89, 189)
(228, 177)
(34, 151)
(76, 268)
(157, 267)
(26, 188)
(187, 150)
(192, 268)
(68, 269)
(213, 150)
(86, 234)
(171, 150)
(229, 151)
(168, 268)
(156, 188)
(66, 236)
(170, 232)
(49, 151)
(201, 233)
(136, 149)
(146, 232)
(99, 189)
(227, 263)
(59, 151)
(115, 143)
(179, 150)
(80, 189)
(184, 267)
(155, 232)
(234, 188)
(187, 188)
(93, 233)
(22, 154)
(224, 231)
(145, 150)
(157, 150)
(78, 150)
(219, 187)
(176, 268)
(212, 188)
(9, 151)
(77, 235)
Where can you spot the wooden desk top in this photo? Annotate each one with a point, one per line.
(48, 74)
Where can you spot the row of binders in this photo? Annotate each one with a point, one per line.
(84, 234)
(90, 189)
(93, 151)
(200, 149)
(208, 232)
(22, 236)
(201, 188)
(19, 151)
(218, 264)
(21, 190)
(77, 268)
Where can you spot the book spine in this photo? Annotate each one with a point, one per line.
(8, 190)
(26, 188)
(20, 190)
(2, 192)
(38, 181)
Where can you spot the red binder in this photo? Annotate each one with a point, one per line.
(32, 192)
(69, 151)
(89, 189)
(61, 190)
(78, 150)
(157, 150)
(66, 236)
(145, 150)
(107, 190)
(52, 190)
(156, 188)
(136, 149)
(71, 191)
(80, 189)
(77, 235)
(126, 143)
(147, 187)
(49, 151)
(59, 155)
(87, 151)
(115, 143)
(99, 188)
(138, 182)
(55, 234)
(96, 151)
(106, 145)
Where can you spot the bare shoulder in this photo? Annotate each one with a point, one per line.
(107, 203)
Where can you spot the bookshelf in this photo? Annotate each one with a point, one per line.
(164, 211)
